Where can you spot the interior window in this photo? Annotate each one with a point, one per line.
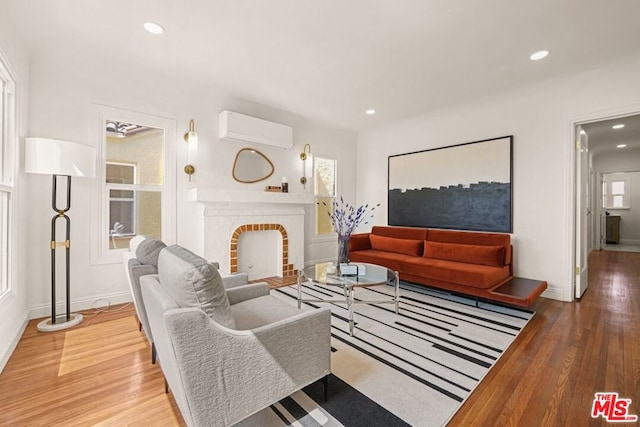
(134, 181)
(617, 193)
(324, 178)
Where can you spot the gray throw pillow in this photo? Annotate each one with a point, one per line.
(148, 251)
(193, 282)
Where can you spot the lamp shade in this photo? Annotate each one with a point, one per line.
(56, 157)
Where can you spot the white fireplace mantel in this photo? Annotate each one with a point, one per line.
(224, 196)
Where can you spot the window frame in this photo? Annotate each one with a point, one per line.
(8, 168)
(610, 195)
(101, 252)
(124, 187)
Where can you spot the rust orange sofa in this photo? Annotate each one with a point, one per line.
(470, 263)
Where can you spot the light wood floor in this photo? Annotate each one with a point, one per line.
(100, 373)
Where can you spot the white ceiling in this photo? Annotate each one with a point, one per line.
(330, 60)
(603, 138)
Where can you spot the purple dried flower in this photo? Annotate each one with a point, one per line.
(345, 218)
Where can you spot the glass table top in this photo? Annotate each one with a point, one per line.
(323, 274)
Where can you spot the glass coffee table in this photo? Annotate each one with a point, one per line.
(325, 274)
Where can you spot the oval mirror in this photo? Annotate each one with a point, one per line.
(251, 165)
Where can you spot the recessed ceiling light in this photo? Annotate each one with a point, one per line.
(618, 126)
(370, 111)
(621, 145)
(539, 55)
(153, 28)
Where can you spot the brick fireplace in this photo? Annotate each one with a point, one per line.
(227, 214)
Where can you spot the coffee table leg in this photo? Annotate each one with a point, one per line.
(397, 298)
(350, 292)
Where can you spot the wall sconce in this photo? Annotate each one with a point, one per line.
(192, 139)
(307, 163)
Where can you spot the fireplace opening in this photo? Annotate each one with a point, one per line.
(262, 253)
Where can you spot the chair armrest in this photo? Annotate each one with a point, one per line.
(227, 375)
(245, 292)
(233, 280)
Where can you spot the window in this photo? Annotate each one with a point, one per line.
(134, 188)
(121, 179)
(324, 178)
(7, 170)
(617, 193)
(134, 181)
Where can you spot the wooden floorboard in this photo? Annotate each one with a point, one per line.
(100, 373)
(567, 353)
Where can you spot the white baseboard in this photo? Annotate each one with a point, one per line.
(97, 301)
(8, 351)
(554, 293)
(633, 242)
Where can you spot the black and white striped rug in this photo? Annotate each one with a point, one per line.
(415, 368)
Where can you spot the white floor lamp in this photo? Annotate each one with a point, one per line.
(60, 159)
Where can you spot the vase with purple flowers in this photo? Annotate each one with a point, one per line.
(345, 219)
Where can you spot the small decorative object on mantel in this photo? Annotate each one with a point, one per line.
(273, 188)
(345, 219)
(285, 185)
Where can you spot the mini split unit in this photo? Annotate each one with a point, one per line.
(239, 127)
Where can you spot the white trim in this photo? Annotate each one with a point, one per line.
(632, 242)
(99, 239)
(9, 153)
(571, 179)
(94, 302)
(13, 343)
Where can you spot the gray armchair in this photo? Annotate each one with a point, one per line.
(228, 353)
(142, 259)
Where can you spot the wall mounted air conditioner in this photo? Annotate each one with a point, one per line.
(239, 127)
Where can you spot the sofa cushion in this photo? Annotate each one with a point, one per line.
(413, 233)
(148, 250)
(359, 242)
(390, 260)
(264, 310)
(473, 238)
(471, 254)
(393, 244)
(474, 275)
(193, 282)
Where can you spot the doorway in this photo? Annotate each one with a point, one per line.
(605, 146)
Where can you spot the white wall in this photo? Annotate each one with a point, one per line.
(623, 160)
(63, 90)
(540, 118)
(13, 306)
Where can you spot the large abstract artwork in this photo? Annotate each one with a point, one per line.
(461, 187)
